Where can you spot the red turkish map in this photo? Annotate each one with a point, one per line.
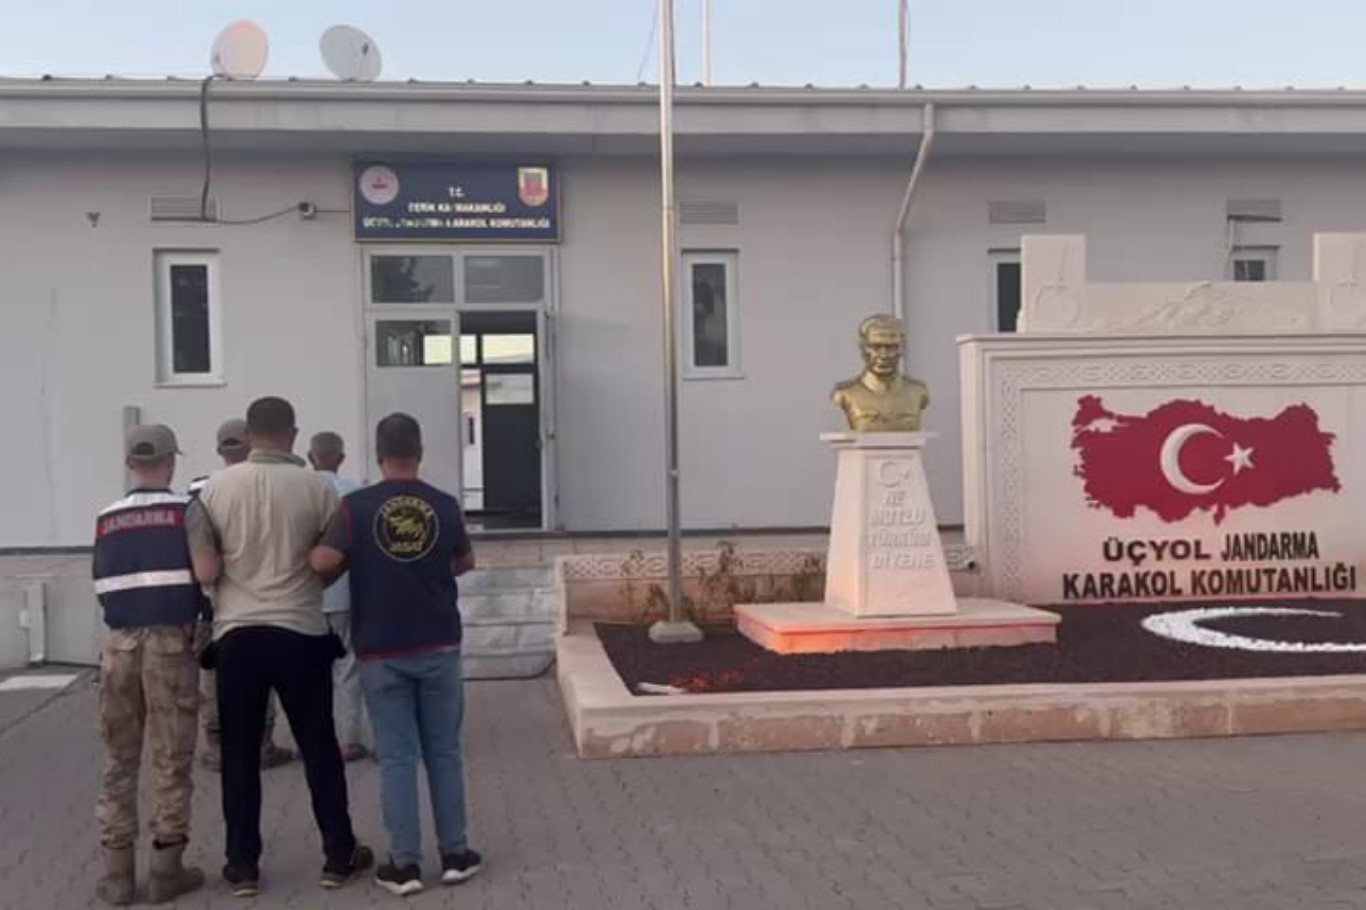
(1185, 456)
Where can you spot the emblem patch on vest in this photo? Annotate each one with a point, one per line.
(406, 528)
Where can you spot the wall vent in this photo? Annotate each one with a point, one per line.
(1254, 209)
(716, 213)
(181, 208)
(1029, 211)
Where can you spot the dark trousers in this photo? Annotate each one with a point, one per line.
(250, 662)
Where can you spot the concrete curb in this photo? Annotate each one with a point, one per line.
(609, 722)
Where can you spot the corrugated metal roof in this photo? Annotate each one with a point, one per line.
(113, 88)
(78, 79)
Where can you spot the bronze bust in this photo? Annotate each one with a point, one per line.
(881, 399)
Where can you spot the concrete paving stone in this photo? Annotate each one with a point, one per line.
(1271, 822)
(957, 902)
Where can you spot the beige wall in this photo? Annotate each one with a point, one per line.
(77, 330)
(813, 259)
(78, 316)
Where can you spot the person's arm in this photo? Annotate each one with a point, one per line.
(462, 560)
(329, 557)
(99, 560)
(204, 548)
(97, 557)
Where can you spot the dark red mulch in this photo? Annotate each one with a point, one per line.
(1095, 644)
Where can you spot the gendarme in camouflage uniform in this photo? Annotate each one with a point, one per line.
(148, 691)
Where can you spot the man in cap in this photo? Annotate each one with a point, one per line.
(148, 695)
(233, 449)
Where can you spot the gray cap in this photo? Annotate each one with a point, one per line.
(232, 436)
(150, 442)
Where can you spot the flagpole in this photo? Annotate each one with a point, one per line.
(901, 25)
(706, 42)
(676, 628)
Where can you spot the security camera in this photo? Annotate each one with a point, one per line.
(308, 211)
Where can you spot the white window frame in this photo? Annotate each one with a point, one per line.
(166, 374)
(1267, 255)
(730, 260)
(998, 256)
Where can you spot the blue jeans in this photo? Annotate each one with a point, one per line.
(417, 704)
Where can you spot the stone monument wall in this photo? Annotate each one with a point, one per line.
(1170, 442)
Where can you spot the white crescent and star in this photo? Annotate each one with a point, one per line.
(1185, 626)
(1170, 459)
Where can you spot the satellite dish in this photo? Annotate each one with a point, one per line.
(239, 51)
(350, 54)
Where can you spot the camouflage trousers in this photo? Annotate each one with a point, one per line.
(148, 692)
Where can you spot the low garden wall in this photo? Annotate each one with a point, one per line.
(630, 587)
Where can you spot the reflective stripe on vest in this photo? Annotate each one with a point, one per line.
(144, 580)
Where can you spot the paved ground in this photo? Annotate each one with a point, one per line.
(1267, 824)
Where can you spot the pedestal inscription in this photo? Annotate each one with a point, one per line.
(885, 555)
(904, 558)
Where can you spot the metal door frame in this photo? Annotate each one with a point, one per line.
(404, 312)
(547, 369)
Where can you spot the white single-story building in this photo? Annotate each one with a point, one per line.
(363, 248)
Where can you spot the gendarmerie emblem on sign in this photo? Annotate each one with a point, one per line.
(533, 186)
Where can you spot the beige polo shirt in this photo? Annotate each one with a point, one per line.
(263, 517)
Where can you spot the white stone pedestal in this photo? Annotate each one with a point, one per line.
(885, 558)
(887, 585)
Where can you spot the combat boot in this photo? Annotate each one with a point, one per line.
(119, 884)
(167, 879)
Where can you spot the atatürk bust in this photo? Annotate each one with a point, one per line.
(881, 399)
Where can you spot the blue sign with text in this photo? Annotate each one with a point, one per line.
(456, 202)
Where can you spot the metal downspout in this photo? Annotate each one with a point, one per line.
(898, 233)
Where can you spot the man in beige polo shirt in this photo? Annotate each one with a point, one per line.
(250, 534)
(233, 449)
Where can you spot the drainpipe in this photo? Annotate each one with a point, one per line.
(33, 619)
(898, 233)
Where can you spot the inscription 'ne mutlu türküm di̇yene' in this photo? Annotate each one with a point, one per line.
(898, 534)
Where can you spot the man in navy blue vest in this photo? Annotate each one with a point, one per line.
(148, 692)
(404, 542)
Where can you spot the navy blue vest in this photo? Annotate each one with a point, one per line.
(404, 537)
(142, 569)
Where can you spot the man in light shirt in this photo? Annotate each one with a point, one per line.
(326, 452)
(250, 533)
(233, 449)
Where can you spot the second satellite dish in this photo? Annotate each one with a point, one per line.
(239, 51)
(350, 54)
